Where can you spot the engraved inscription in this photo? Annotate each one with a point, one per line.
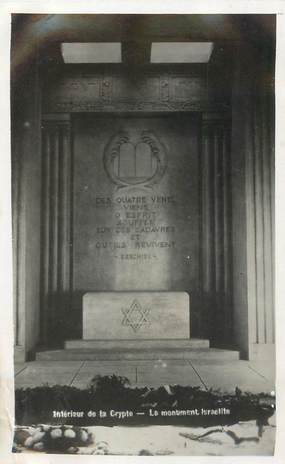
(135, 235)
(139, 230)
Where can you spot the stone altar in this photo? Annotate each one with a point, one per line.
(136, 315)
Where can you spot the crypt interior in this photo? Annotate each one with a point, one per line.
(143, 161)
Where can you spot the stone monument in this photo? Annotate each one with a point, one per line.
(136, 315)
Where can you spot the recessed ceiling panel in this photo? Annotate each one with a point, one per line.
(92, 52)
(181, 52)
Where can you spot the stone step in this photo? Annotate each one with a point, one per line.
(118, 345)
(214, 354)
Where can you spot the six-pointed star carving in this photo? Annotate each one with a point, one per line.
(135, 316)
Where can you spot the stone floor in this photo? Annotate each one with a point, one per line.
(224, 375)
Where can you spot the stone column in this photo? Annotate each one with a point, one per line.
(26, 189)
(56, 225)
(253, 199)
(215, 226)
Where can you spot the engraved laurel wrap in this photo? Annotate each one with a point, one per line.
(112, 151)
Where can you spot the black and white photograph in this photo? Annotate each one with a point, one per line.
(143, 233)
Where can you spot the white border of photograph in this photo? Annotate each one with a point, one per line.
(6, 326)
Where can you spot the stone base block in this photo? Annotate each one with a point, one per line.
(136, 315)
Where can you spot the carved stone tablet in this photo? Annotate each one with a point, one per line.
(136, 315)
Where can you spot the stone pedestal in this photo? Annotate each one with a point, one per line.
(136, 316)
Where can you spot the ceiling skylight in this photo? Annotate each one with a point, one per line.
(181, 52)
(92, 52)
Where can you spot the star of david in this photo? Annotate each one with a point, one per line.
(135, 316)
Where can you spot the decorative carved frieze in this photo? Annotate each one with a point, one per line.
(146, 91)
